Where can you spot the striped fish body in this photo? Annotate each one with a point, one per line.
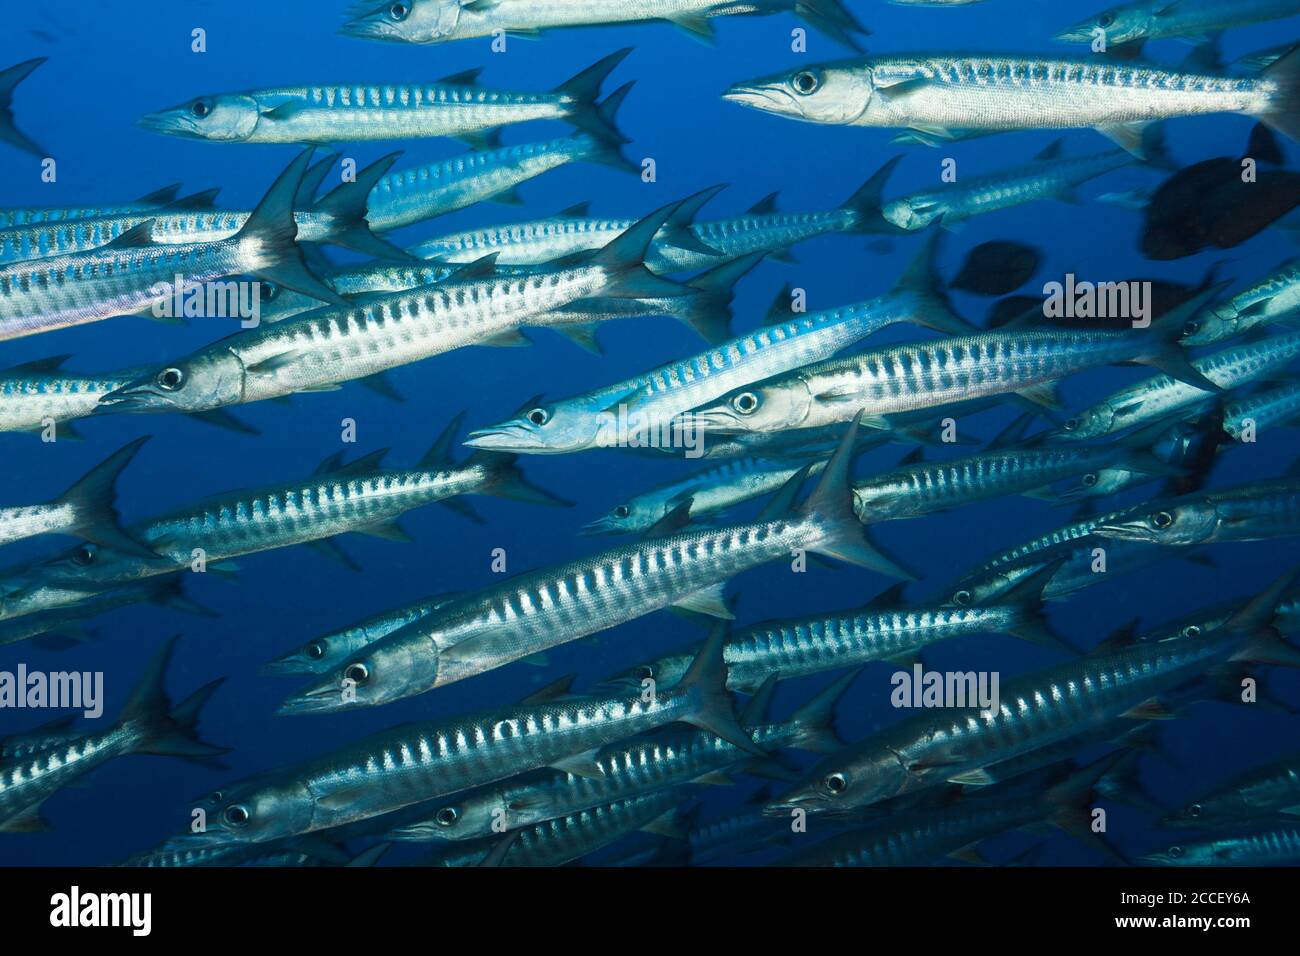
(1161, 395)
(422, 192)
(1264, 410)
(525, 243)
(1257, 794)
(11, 218)
(1273, 846)
(33, 397)
(1272, 299)
(328, 651)
(914, 490)
(538, 611)
(1007, 93)
(25, 521)
(746, 235)
(561, 840)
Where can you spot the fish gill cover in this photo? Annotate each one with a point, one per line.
(858, 429)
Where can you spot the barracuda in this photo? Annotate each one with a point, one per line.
(1275, 298)
(318, 350)
(39, 395)
(434, 189)
(1254, 796)
(1158, 397)
(926, 835)
(918, 487)
(437, 21)
(1272, 846)
(1189, 19)
(910, 377)
(148, 724)
(1034, 711)
(324, 653)
(715, 489)
(704, 303)
(423, 761)
(537, 611)
(1268, 409)
(936, 92)
(87, 510)
(656, 398)
(133, 273)
(1049, 176)
(1260, 511)
(570, 837)
(682, 246)
(338, 218)
(357, 497)
(62, 627)
(456, 107)
(31, 215)
(666, 760)
(883, 630)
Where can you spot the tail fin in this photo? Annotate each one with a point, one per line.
(1167, 354)
(921, 279)
(505, 480)
(273, 225)
(9, 133)
(167, 730)
(1031, 623)
(606, 151)
(587, 115)
(347, 207)
(678, 229)
(625, 256)
(709, 311)
(866, 203)
(1284, 103)
(714, 709)
(832, 18)
(1263, 643)
(1070, 803)
(93, 500)
(305, 198)
(814, 722)
(831, 504)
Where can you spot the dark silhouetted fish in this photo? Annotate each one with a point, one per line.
(997, 268)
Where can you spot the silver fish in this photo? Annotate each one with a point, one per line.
(543, 609)
(1192, 20)
(29, 215)
(457, 107)
(423, 761)
(87, 510)
(1275, 298)
(132, 274)
(1260, 511)
(1270, 408)
(38, 395)
(148, 723)
(438, 21)
(1250, 797)
(1271, 846)
(1033, 711)
(936, 92)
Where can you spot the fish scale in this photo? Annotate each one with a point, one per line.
(1274, 407)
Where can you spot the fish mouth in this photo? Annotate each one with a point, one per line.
(372, 27)
(1123, 532)
(1080, 33)
(712, 421)
(604, 525)
(130, 398)
(510, 438)
(756, 96)
(288, 666)
(168, 123)
(323, 698)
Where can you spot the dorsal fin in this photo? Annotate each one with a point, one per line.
(463, 78)
(673, 521)
(136, 237)
(439, 453)
(891, 597)
(1052, 150)
(51, 364)
(765, 206)
(577, 211)
(782, 503)
(552, 691)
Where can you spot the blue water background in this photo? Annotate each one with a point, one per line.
(111, 62)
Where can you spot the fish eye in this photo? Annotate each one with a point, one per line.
(447, 816)
(170, 379)
(539, 416)
(201, 108)
(85, 555)
(1162, 519)
(645, 672)
(267, 291)
(806, 82)
(399, 11)
(217, 797)
(1071, 424)
(1192, 327)
(746, 403)
(961, 597)
(1192, 630)
(236, 815)
(1090, 480)
(315, 650)
(1194, 810)
(836, 783)
(1175, 852)
(358, 673)
(622, 511)
(1106, 19)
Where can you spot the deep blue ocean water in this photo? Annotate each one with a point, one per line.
(110, 62)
